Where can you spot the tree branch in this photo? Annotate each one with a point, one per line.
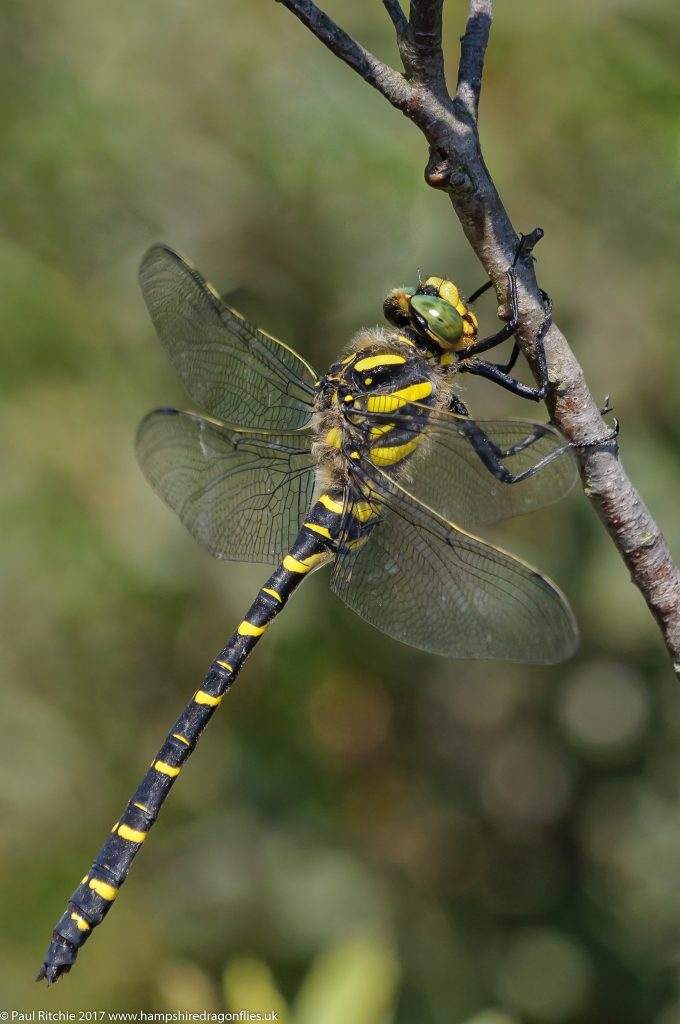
(399, 19)
(421, 53)
(381, 76)
(472, 53)
(457, 167)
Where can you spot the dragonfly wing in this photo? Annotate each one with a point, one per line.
(232, 370)
(241, 494)
(424, 581)
(462, 466)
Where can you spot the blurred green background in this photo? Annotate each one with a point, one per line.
(367, 835)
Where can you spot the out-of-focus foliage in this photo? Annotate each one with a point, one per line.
(513, 833)
(354, 980)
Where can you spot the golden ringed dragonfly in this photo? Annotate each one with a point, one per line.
(374, 468)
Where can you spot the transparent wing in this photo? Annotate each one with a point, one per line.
(423, 581)
(241, 494)
(458, 469)
(232, 370)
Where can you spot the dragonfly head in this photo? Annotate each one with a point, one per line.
(435, 313)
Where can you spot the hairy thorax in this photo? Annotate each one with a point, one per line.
(374, 404)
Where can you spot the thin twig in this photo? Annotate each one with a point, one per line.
(399, 19)
(472, 53)
(385, 79)
(457, 167)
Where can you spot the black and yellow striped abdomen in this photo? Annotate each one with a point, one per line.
(93, 898)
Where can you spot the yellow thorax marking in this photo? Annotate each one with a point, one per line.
(384, 359)
(388, 403)
(334, 437)
(388, 456)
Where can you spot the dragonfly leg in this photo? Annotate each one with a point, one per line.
(601, 442)
(499, 374)
(491, 455)
(457, 406)
(506, 331)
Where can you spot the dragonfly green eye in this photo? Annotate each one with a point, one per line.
(443, 322)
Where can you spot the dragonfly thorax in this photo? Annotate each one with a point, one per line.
(374, 403)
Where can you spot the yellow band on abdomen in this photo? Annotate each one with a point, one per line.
(246, 628)
(322, 531)
(202, 697)
(330, 503)
(103, 889)
(132, 835)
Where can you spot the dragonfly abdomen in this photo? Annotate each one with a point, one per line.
(91, 901)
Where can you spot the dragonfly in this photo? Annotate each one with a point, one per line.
(374, 468)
